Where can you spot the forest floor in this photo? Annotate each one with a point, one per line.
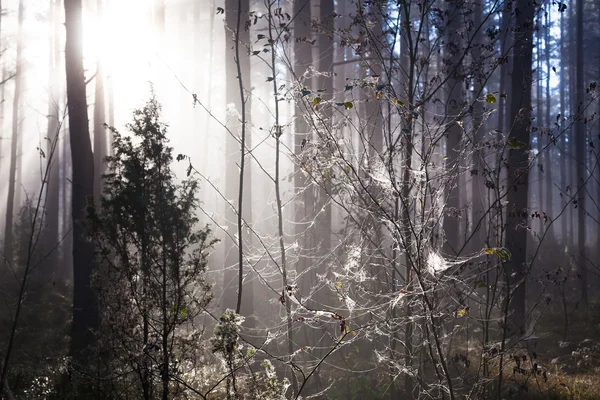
(561, 366)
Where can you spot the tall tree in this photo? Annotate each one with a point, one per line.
(518, 161)
(100, 144)
(85, 313)
(454, 105)
(478, 171)
(580, 149)
(55, 81)
(237, 71)
(302, 60)
(10, 202)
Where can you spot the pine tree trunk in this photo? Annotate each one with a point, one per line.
(10, 202)
(51, 230)
(581, 146)
(518, 158)
(85, 313)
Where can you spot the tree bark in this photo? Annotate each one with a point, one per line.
(518, 158)
(85, 313)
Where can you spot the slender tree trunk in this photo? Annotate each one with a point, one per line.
(302, 60)
(551, 146)
(10, 202)
(477, 174)
(540, 129)
(284, 265)
(85, 313)
(563, 141)
(237, 72)
(581, 146)
(100, 146)
(51, 230)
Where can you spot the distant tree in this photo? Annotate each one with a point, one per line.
(100, 142)
(581, 144)
(56, 83)
(10, 202)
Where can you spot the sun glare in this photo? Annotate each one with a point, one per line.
(123, 40)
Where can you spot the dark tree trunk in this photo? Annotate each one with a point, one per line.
(518, 158)
(563, 141)
(548, 159)
(581, 145)
(85, 313)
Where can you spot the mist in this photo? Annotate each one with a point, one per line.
(289, 199)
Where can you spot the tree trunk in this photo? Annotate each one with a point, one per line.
(518, 158)
(51, 230)
(477, 174)
(581, 146)
(563, 141)
(10, 202)
(302, 60)
(455, 96)
(100, 146)
(551, 146)
(238, 76)
(85, 313)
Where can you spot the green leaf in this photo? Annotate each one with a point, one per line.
(348, 105)
(481, 285)
(490, 98)
(316, 101)
(516, 144)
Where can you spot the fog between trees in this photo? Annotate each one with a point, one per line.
(299, 199)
